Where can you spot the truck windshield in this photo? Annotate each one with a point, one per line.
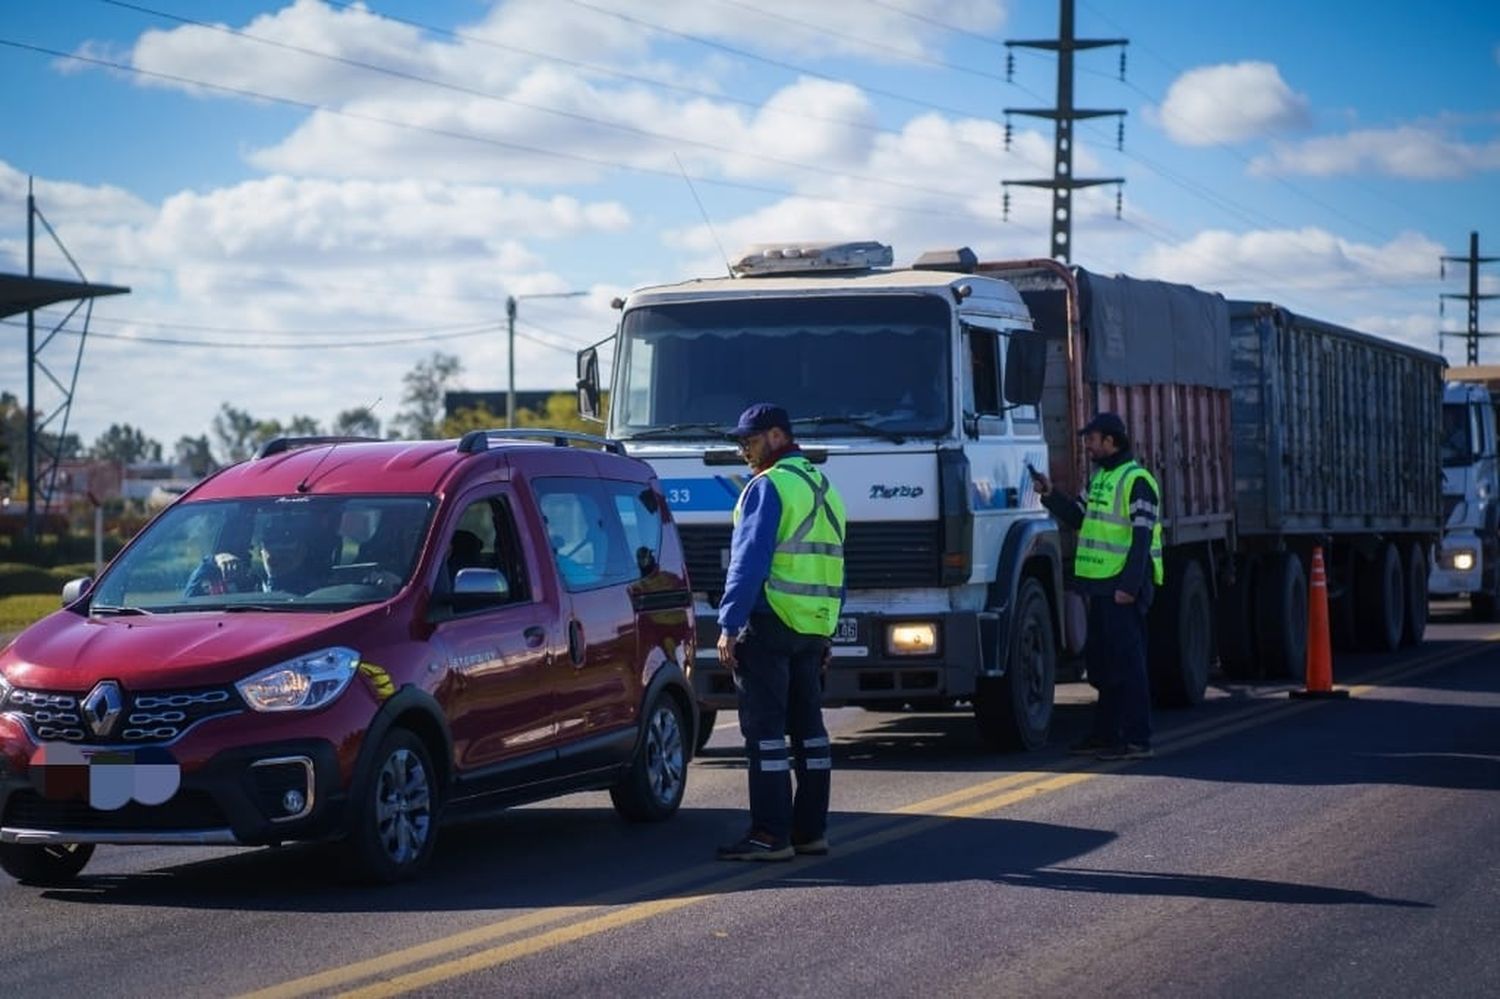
(880, 361)
(296, 553)
(1458, 444)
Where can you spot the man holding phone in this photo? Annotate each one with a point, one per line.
(1118, 566)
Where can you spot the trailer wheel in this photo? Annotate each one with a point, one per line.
(1014, 711)
(1281, 612)
(1182, 639)
(1238, 657)
(1381, 603)
(1416, 594)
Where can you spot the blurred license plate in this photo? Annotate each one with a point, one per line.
(847, 631)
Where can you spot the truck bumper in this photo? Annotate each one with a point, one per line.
(862, 670)
(1447, 579)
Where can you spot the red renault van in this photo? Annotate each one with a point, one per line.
(347, 640)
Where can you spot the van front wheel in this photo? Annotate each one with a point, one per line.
(49, 864)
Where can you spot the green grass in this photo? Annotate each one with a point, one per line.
(16, 612)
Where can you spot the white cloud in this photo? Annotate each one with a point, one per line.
(1267, 262)
(1413, 152)
(1229, 103)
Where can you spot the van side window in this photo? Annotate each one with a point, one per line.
(486, 538)
(639, 509)
(586, 533)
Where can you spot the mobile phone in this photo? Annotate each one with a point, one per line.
(1032, 469)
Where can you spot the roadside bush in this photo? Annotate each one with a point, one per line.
(16, 578)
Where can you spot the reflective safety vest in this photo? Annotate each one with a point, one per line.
(1104, 539)
(806, 583)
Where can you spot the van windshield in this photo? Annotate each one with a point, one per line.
(268, 553)
(881, 361)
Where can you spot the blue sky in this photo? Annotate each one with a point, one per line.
(309, 197)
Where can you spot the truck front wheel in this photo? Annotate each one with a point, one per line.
(1014, 711)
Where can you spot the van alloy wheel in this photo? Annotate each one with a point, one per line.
(403, 806)
(666, 763)
(651, 787)
(397, 807)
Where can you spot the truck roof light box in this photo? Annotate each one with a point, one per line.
(800, 258)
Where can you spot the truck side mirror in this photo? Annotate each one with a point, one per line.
(1025, 368)
(588, 383)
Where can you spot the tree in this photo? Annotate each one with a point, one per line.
(304, 426)
(195, 453)
(358, 422)
(423, 395)
(125, 444)
(235, 431)
(560, 413)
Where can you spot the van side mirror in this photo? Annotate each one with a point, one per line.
(74, 589)
(1025, 368)
(588, 383)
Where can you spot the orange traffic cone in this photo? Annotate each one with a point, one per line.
(1319, 648)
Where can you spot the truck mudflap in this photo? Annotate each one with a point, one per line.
(863, 668)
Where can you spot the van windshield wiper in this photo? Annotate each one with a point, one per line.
(857, 422)
(107, 610)
(717, 430)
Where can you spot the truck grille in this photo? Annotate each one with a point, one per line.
(889, 555)
(146, 716)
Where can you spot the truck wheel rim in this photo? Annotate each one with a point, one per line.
(665, 759)
(403, 806)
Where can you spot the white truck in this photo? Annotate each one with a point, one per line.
(917, 389)
(1467, 562)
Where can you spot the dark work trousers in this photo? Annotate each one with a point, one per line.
(778, 673)
(1116, 659)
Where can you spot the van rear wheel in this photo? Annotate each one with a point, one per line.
(49, 864)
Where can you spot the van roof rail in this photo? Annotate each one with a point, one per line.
(476, 441)
(278, 445)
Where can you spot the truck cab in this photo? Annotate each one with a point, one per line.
(915, 390)
(1467, 563)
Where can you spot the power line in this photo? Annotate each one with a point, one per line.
(867, 43)
(529, 105)
(768, 61)
(924, 19)
(223, 345)
(483, 140)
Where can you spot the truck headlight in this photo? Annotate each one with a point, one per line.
(301, 684)
(1463, 561)
(914, 638)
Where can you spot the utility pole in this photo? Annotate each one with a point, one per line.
(31, 428)
(1472, 333)
(1062, 182)
(510, 326)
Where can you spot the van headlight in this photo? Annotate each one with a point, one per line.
(1463, 560)
(301, 684)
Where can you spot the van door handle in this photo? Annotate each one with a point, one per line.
(535, 636)
(575, 642)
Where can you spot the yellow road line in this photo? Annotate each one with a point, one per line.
(865, 834)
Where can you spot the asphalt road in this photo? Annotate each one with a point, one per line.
(1272, 847)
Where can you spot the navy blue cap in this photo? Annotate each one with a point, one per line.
(759, 418)
(1110, 425)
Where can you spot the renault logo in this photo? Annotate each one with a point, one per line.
(102, 707)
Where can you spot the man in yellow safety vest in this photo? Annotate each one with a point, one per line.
(782, 595)
(1118, 567)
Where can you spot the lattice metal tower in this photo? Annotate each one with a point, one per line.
(1062, 182)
